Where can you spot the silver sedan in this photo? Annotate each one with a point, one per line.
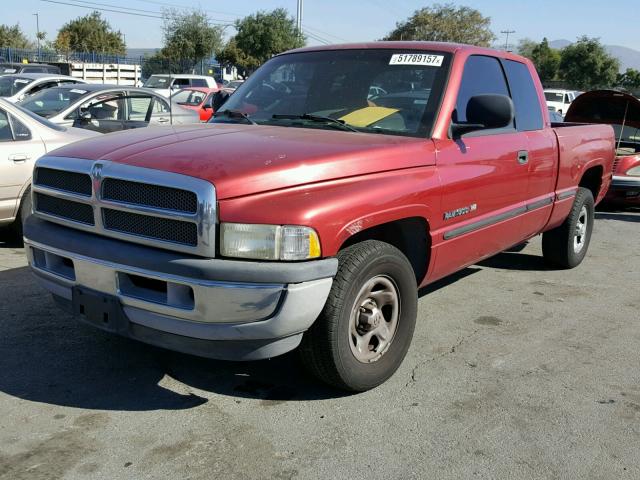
(16, 87)
(107, 108)
(24, 137)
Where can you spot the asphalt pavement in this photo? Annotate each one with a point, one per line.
(515, 372)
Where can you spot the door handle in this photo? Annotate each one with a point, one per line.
(163, 120)
(19, 157)
(523, 157)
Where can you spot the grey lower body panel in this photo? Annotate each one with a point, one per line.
(201, 313)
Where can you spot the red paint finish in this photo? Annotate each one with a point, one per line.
(342, 183)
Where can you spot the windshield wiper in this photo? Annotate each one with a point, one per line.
(235, 114)
(317, 118)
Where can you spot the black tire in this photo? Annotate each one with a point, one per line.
(558, 247)
(23, 212)
(326, 350)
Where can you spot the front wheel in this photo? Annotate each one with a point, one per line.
(365, 329)
(566, 246)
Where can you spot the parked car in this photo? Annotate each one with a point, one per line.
(622, 112)
(308, 215)
(106, 108)
(13, 68)
(23, 138)
(198, 99)
(17, 87)
(559, 99)
(167, 84)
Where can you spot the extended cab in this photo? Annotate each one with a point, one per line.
(309, 212)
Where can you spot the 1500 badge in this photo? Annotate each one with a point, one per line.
(460, 211)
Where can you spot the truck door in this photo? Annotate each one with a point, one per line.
(484, 179)
(542, 154)
(19, 149)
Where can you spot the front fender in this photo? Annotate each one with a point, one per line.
(341, 208)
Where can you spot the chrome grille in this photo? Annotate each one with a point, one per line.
(66, 181)
(149, 195)
(151, 227)
(74, 211)
(136, 204)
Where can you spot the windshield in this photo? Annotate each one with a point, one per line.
(295, 90)
(48, 103)
(189, 97)
(10, 85)
(40, 120)
(553, 96)
(157, 82)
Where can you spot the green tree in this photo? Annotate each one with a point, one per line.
(445, 23)
(587, 65)
(546, 60)
(13, 37)
(259, 37)
(90, 33)
(189, 37)
(525, 47)
(629, 80)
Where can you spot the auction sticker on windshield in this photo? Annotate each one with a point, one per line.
(416, 59)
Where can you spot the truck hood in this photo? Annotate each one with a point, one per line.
(605, 106)
(245, 159)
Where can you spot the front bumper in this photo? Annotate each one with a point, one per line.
(624, 190)
(224, 309)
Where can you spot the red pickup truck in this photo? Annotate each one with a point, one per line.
(332, 185)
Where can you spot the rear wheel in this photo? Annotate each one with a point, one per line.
(566, 246)
(366, 326)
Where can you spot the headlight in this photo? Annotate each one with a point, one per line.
(634, 172)
(268, 242)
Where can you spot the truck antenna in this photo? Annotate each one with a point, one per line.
(624, 120)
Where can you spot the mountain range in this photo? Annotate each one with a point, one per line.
(629, 58)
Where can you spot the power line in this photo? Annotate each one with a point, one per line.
(326, 34)
(89, 7)
(165, 4)
(506, 42)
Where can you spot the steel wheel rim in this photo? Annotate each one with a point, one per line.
(374, 319)
(580, 234)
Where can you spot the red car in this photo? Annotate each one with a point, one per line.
(308, 213)
(198, 99)
(622, 112)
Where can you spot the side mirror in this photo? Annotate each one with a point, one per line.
(487, 111)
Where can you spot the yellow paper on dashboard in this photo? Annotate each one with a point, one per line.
(367, 116)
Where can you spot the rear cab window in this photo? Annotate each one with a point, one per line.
(524, 96)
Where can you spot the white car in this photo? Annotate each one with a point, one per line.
(24, 137)
(560, 99)
(166, 84)
(18, 86)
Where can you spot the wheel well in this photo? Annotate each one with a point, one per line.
(409, 235)
(592, 180)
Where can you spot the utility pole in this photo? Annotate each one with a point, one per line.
(506, 42)
(299, 17)
(38, 33)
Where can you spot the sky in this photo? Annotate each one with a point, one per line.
(338, 21)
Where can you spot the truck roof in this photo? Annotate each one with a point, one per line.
(412, 45)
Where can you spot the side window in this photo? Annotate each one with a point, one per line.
(566, 98)
(20, 130)
(159, 106)
(5, 128)
(524, 95)
(138, 106)
(481, 75)
(105, 107)
(42, 86)
(199, 82)
(181, 82)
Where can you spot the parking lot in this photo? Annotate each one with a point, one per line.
(515, 372)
